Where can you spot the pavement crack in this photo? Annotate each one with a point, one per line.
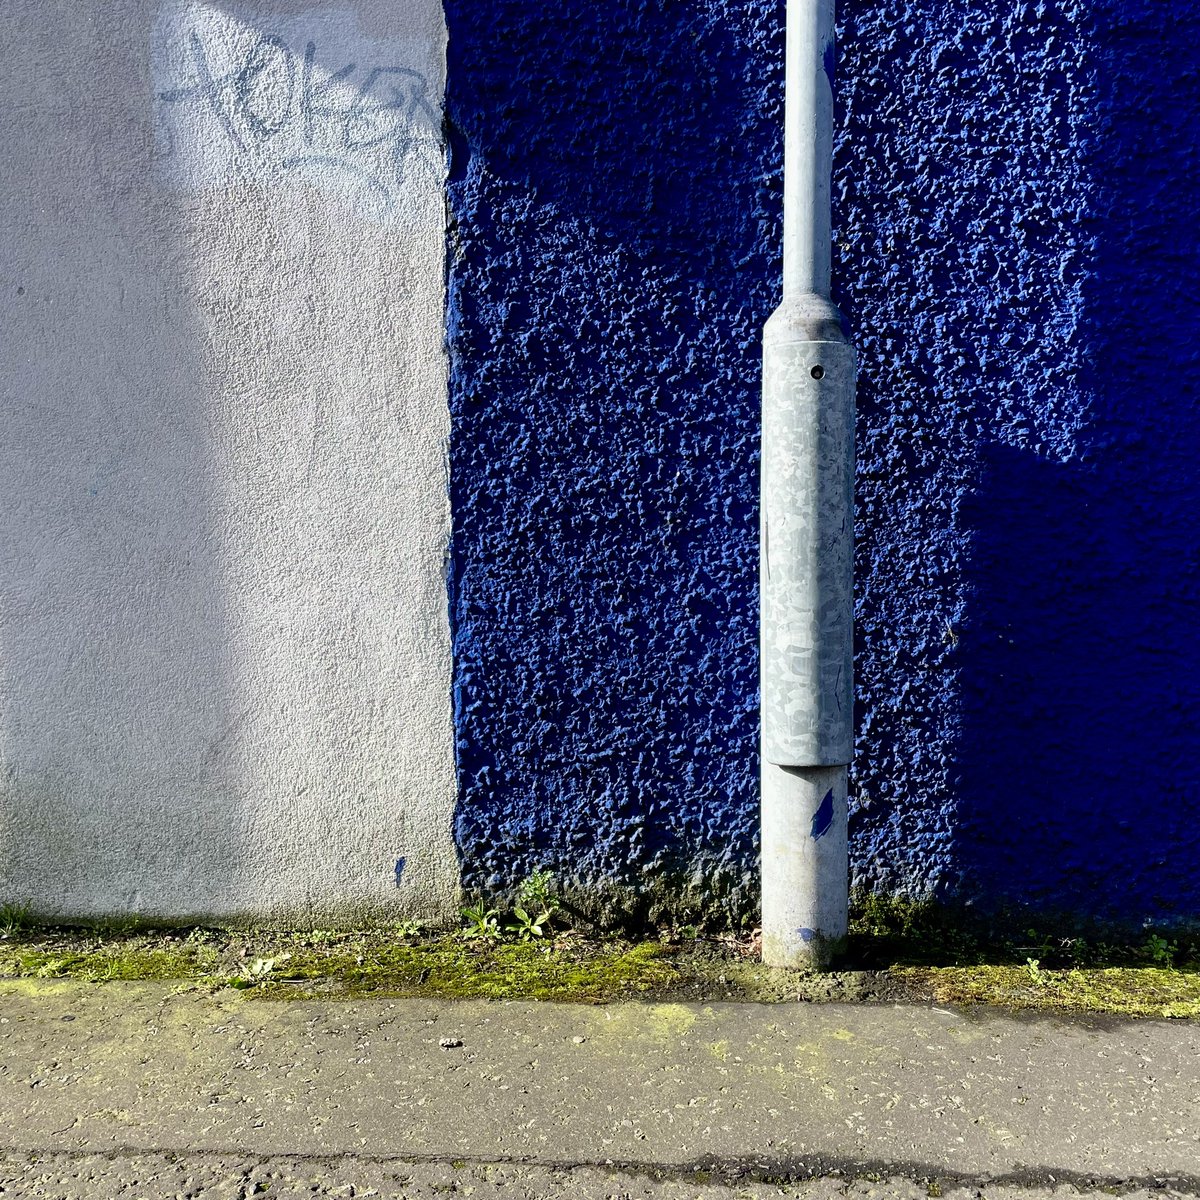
(730, 1171)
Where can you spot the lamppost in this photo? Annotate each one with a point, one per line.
(806, 552)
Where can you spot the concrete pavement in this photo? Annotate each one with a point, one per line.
(416, 1098)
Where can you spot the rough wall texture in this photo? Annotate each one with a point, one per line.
(224, 653)
(1017, 250)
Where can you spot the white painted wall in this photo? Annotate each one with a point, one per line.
(224, 651)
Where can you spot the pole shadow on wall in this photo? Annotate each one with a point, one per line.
(1079, 779)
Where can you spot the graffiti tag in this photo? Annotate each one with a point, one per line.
(370, 125)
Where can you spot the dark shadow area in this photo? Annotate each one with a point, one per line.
(885, 932)
(653, 123)
(118, 788)
(1080, 658)
(1081, 687)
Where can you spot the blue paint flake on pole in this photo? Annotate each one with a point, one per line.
(822, 820)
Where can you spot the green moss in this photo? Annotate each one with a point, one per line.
(708, 896)
(353, 965)
(102, 964)
(341, 964)
(1128, 991)
(449, 968)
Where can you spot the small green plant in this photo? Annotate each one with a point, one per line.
(533, 915)
(1075, 949)
(536, 894)
(14, 918)
(259, 971)
(1159, 951)
(480, 923)
(1044, 946)
(1033, 969)
(528, 926)
(409, 930)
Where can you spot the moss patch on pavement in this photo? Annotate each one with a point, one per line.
(449, 968)
(567, 967)
(1016, 960)
(95, 964)
(1128, 991)
(348, 964)
(897, 951)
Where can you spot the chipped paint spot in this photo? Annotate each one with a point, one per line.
(806, 934)
(822, 820)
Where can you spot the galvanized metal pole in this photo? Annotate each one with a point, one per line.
(806, 558)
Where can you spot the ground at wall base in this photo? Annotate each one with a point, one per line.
(678, 967)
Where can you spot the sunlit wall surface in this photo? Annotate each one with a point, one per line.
(224, 653)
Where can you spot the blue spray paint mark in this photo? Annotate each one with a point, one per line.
(400, 869)
(822, 820)
(806, 934)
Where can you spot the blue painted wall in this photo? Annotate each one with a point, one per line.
(1018, 250)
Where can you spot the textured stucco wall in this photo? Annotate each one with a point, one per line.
(224, 652)
(1017, 250)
